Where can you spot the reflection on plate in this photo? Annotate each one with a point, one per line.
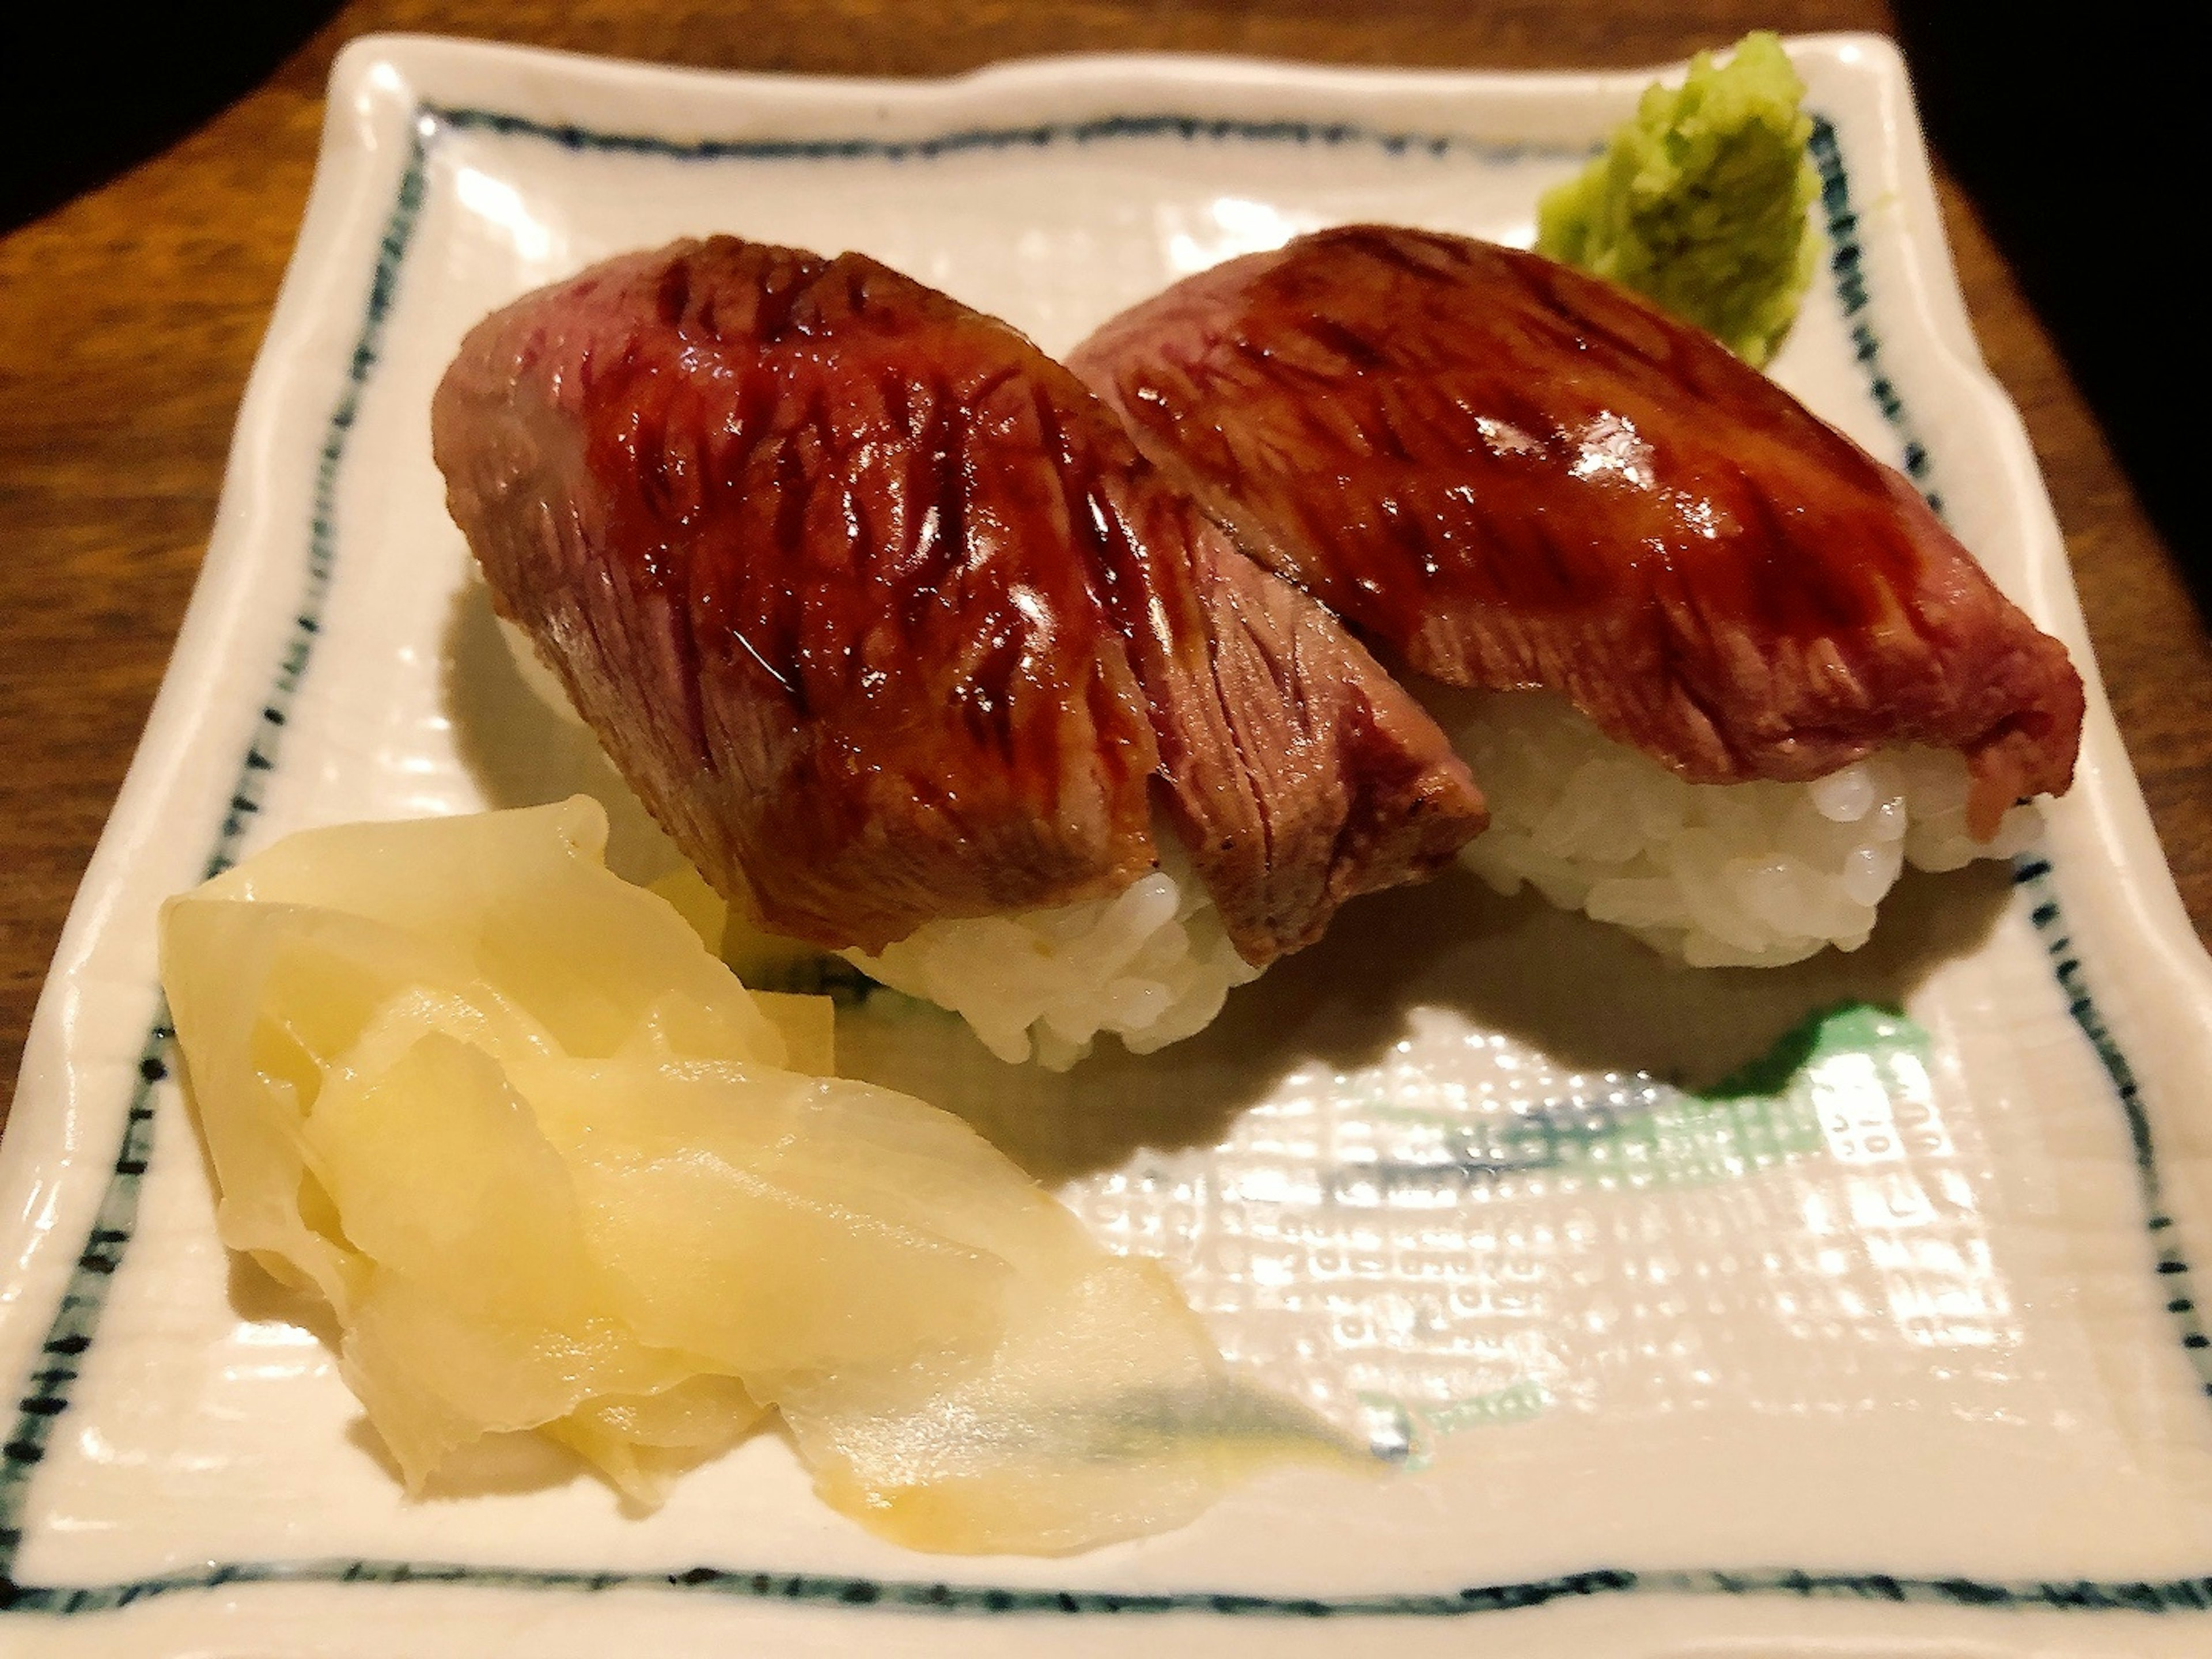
(1849, 1302)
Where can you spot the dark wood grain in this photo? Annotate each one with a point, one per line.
(129, 318)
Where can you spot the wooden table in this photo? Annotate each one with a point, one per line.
(129, 318)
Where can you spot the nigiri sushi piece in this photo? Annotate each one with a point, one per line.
(885, 619)
(1721, 672)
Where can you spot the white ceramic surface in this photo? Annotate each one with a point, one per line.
(1900, 1356)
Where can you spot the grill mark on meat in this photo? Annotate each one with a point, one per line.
(1262, 819)
(937, 640)
(1540, 479)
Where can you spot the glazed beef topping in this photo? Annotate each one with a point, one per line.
(1517, 475)
(886, 619)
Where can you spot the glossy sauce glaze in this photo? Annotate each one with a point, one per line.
(888, 620)
(1517, 475)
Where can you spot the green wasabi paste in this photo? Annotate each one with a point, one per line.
(1699, 202)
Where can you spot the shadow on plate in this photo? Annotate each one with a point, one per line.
(1586, 995)
(507, 1463)
(260, 1299)
(511, 1464)
(498, 1466)
(520, 753)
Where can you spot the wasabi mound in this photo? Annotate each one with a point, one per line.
(1699, 202)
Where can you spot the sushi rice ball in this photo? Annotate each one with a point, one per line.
(1754, 874)
(1152, 964)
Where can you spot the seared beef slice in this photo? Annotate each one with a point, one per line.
(885, 618)
(1517, 475)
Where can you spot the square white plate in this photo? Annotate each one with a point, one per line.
(1897, 1352)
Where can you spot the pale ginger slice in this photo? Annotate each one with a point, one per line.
(554, 1167)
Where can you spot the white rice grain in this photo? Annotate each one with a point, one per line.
(1734, 875)
(1150, 965)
